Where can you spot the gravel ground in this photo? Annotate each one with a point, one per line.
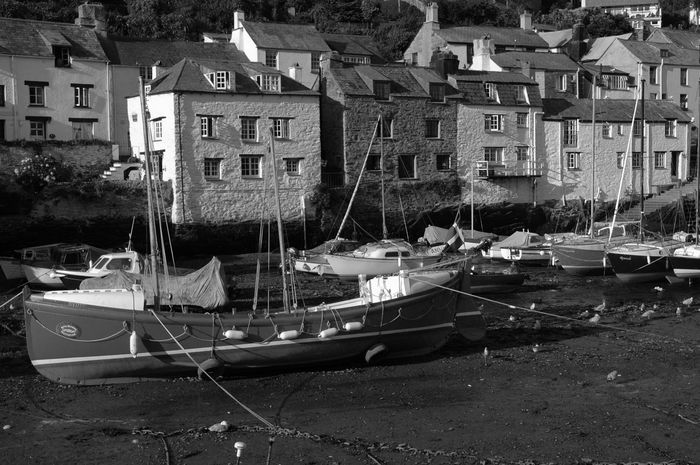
(554, 388)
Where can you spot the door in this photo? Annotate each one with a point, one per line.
(675, 158)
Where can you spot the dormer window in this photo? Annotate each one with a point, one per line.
(221, 80)
(491, 91)
(437, 92)
(61, 56)
(268, 82)
(382, 90)
(664, 53)
(521, 95)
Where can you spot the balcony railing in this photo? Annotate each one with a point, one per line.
(490, 169)
(333, 179)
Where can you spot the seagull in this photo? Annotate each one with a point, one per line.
(219, 427)
(648, 314)
(536, 348)
(595, 318)
(537, 325)
(585, 314)
(655, 307)
(612, 375)
(486, 353)
(688, 302)
(532, 306)
(658, 289)
(600, 308)
(511, 318)
(641, 308)
(679, 311)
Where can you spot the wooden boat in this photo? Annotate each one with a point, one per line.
(379, 258)
(38, 263)
(314, 260)
(129, 261)
(96, 341)
(521, 246)
(636, 262)
(585, 255)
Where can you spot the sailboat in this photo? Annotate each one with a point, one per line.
(122, 335)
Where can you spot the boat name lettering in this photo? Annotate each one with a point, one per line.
(67, 329)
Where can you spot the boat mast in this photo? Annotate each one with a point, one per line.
(381, 168)
(593, 159)
(149, 188)
(285, 297)
(357, 184)
(641, 215)
(697, 176)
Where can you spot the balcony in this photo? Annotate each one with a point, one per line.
(516, 169)
(333, 179)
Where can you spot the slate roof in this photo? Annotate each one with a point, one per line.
(612, 110)
(681, 38)
(604, 69)
(537, 60)
(405, 81)
(167, 53)
(188, 76)
(352, 44)
(557, 38)
(650, 52)
(282, 36)
(597, 47)
(35, 38)
(471, 84)
(501, 36)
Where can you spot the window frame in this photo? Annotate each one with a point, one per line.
(671, 128)
(272, 58)
(520, 150)
(208, 126)
(249, 126)
(437, 92)
(80, 126)
(37, 129)
(521, 96)
(570, 130)
(207, 171)
(494, 154)
(620, 159)
(81, 96)
(381, 90)
(637, 161)
(157, 129)
(684, 77)
(440, 164)
(638, 128)
(606, 131)
(280, 128)
(251, 166)
(37, 95)
(387, 123)
(295, 163)
(374, 162)
(522, 120)
(315, 62)
(573, 161)
(222, 80)
(653, 75)
(2, 95)
(683, 101)
(659, 160)
(491, 91)
(62, 56)
(404, 171)
(562, 82)
(490, 119)
(433, 128)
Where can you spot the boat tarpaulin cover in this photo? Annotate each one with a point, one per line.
(205, 287)
(520, 239)
(438, 235)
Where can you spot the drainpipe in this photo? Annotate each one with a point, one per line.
(179, 153)
(661, 79)
(15, 129)
(533, 143)
(110, 110)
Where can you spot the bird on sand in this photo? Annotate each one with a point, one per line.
(600, 308)
(612, 375)
(536, 348)
(688, 302)
(538, 325)
(532, 306)
(648, 314)
(511, 318)
(595, 318)
(585, 314)
(486, 353)
(658, 288)
(642, 308)
(679, 311)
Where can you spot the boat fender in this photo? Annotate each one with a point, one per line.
(134, 343)
(353, 326)
(207, 365)
(374, 351)
(236, 334)
(290, 334)
(326, 333)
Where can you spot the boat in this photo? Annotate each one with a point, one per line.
(11, 268)
(38, 263)
(685, 260)
(314, 261)
(495, 278)
(127, 261)
(470, 238)
(521, 246)
(643, 261)
(387, 256)
(582, 255)
(132, 332)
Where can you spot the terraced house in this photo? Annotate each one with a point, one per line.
(212, 124)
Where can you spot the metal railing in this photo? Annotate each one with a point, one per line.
(490, 169)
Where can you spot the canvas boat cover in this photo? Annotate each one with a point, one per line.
(438, 235)
(205, 287)
(521, 239)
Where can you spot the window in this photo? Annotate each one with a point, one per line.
(249, 129)
(37, 129)
(414, 58)
(659, 160)
(212, 168)
(652, 95)
(491, 91)
(61, 56)
(432, 128)
(2, 95)
(620, 159)
(636, 160)
(607, 130)
(637, 128)
(671, 125)
(684, 101)
(158, 130)
(291, 166)
(562, 82)
(521, 96)
(36, 93)
(521, 120)
(493, 154)
(223, 80)
(493, 123)
(522, 153)
(407, 166)
(251, 166)
(146, 72)
(2, 129)
(82, 130)
(81, 96)
(620, 129)
(269, 82)
(443, 162)
(134, 117)
(387, 128)
(382, 90)
(374, 163)
(208, 127)
(437, 92)
(653, 75)
(571, 132)
(684, 76)
(271, 58)
(281, 128)
(572, 159)
(616, 82)
(315, 62)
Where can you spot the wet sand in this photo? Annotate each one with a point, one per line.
(554, 388)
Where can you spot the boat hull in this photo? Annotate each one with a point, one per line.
(685, 267)
(41, 277)
(349, 267)
(11, 269)
(492, 283)
(631, 268)
(86, 344)
(582, 259)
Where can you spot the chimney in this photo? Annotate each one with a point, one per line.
(330, 60)
(444, 63)
(431, 15)
(525, 68)
(577, 46)
(92, 16)
(295, 72)
(483, 49)
(526, 21)
(238, 18)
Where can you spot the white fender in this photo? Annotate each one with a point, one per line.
(235, 334)
(353, 326)
(134, 343)
(287, 335)
(326, 333)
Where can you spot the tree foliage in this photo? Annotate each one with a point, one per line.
(596, 22)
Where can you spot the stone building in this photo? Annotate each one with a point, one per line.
(211, 125)
(569, 137)
(500, 155)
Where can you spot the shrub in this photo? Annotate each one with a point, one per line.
(36, 172)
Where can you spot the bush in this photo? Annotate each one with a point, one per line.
(38, 171)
